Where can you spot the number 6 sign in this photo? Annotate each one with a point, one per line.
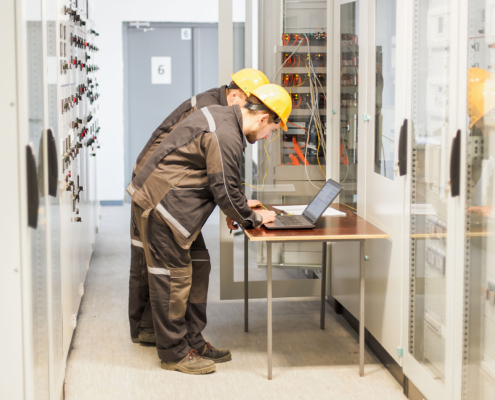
(161, 70)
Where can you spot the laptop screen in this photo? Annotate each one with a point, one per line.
(323, 199)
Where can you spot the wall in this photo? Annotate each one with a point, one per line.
(109, 17)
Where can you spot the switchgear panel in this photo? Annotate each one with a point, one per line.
(78, 144)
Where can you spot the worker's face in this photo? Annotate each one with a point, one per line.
(236, 96)
(261, 129)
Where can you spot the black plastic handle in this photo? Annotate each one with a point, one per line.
(33, 197)
(403, 149)
(455, 165)
(52, 164)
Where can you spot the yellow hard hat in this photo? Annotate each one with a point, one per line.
(275, 98)
(249, 79)
(481, 96)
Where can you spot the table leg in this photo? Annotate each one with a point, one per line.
(269, 302)
(246, 283)
(323, 285)
(361, 308)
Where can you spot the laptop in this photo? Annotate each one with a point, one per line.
(312, 213)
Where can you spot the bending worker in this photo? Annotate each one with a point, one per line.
(194, 169)
(481, 111)
(140, 316)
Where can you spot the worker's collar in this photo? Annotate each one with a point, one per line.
(223, 96)
(238, 115)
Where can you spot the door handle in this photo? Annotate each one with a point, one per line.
(455, 165)
(33, 196)
(403, 149)
(52, 164)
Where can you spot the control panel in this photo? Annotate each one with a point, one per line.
(78, 143)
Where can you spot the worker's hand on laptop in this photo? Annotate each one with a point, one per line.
(254, 203)
(232, 224)
(268, 216)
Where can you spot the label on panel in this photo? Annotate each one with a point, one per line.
(161, 70)
(185, 34)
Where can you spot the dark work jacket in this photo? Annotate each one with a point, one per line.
(215, 96)
(195, 168)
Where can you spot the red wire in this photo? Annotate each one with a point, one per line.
(300, 127)
(298, 150)
(298, 104)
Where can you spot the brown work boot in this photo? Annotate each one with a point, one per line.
(147, 337)
(192, 364)
(208, 352)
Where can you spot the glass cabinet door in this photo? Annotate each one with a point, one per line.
(479, 280)
(385, 64)
(349, 96)
(290, 167)
(430, 261)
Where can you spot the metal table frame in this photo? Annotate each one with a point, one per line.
(323, 293)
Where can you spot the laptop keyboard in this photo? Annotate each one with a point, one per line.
(292, 220)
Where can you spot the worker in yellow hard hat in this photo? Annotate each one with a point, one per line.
(481, 112)
(481, 97)
(190, 173)
(243, 83)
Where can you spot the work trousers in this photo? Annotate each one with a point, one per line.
(140, 315)
(178, 287)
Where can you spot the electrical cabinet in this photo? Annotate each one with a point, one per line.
(296, 167)
(478, 349)
(78, 143)
(56, 106)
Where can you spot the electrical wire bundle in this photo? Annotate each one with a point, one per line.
(314, 81)
(316, 91)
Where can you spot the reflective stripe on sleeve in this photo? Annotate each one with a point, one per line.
(136, 243)
(163, 271)
(209, 118)
(158, 271)
(130, 189)
(172, 220)
(193, 101)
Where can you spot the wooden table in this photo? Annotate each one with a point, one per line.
(328, 229)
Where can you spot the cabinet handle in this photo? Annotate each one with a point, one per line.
(455, 165)
(33, 197)
(403, 149)
(52, 164)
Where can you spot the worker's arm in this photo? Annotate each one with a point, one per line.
(222, 153)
